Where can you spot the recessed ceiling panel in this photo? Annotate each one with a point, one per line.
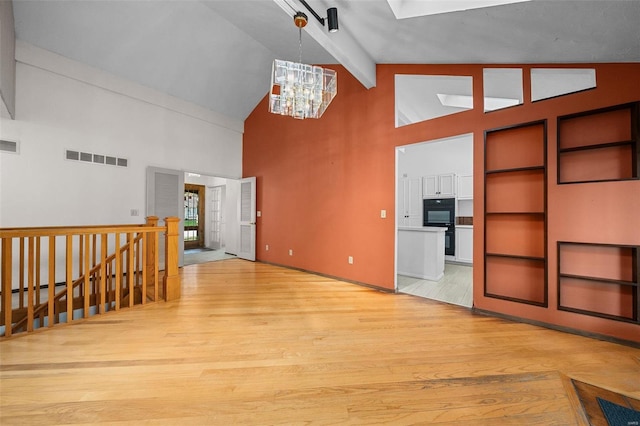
(413, 8)
(551, 82)
(423, 97)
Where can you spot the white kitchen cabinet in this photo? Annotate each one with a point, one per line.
(410, 202)
(465, 187)
(439, 186)
(464, 244)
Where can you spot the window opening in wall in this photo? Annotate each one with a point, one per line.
(193, 216)
(502, 88)
(552, 82)
(423, 97)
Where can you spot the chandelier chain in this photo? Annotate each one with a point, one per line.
(300, 44)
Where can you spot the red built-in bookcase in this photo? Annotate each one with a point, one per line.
(515, 213)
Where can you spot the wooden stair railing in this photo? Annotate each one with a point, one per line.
(105, 281)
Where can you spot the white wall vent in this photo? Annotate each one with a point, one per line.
(95, 158)
(9, 146)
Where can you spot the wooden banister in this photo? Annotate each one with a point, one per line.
(94, 280)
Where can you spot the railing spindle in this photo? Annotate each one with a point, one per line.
(118, 274)
(87, 277)
(30, 266)
(69, 295)
(52, 280)
(21, 276)
(130, 267)
(143, 246)
(7, 297)
(37, 266)
(103, 273)
(80, 256)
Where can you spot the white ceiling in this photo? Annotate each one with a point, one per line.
(218, 53)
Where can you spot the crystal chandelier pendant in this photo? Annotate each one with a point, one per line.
(301, 90)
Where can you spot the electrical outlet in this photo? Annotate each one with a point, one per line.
(290, 252)
(259, 213)
(350, 260)
(135, 212)
(383, 214)
(266, 247)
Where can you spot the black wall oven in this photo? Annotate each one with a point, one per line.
(442, 212)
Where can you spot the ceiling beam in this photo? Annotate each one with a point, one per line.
(344, 48)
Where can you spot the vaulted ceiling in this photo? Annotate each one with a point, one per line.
(218, 53)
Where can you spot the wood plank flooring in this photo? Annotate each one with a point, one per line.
(250, 343)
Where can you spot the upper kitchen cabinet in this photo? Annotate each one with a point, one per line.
(439, 186)
(465, 187)
(410, 202)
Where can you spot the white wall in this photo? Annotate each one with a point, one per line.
(61, 104)
(7, 60)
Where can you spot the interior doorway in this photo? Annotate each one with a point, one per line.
(449, 163)
(194, 202)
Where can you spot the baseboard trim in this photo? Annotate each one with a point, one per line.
(361, 284)
(555, 327)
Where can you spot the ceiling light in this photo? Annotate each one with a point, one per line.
(300, 90)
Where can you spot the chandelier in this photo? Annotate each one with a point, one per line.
(300, 90)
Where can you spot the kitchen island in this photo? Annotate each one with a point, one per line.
(421, 252)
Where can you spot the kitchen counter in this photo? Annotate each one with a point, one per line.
(421, 252)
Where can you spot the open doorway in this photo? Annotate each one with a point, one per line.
(211, 218)
(437, 172)
(194, 202)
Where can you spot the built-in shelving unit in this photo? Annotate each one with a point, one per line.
(515, 252)
(599, 280)
(599, 145)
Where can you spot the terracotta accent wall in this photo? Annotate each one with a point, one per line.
(322, 183)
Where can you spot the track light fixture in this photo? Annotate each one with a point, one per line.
(332, 19)
(332, 16)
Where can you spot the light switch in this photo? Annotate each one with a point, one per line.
(383, 214)
(259, 213)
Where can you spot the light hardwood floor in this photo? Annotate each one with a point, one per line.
(250, 343)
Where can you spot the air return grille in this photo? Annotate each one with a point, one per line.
(95, 158)
(8, 146)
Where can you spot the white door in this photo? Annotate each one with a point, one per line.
(247, 210)
(165, 197)
(216, 217)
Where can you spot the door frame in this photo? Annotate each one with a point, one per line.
(199, 243)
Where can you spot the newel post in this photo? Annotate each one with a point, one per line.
(171, 280)
(152, 259)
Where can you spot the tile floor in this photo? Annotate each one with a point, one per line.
(194, 256)
(456, 287)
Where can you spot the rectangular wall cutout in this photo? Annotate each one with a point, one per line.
(599, 145)
(515, 215)
(599, 280)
